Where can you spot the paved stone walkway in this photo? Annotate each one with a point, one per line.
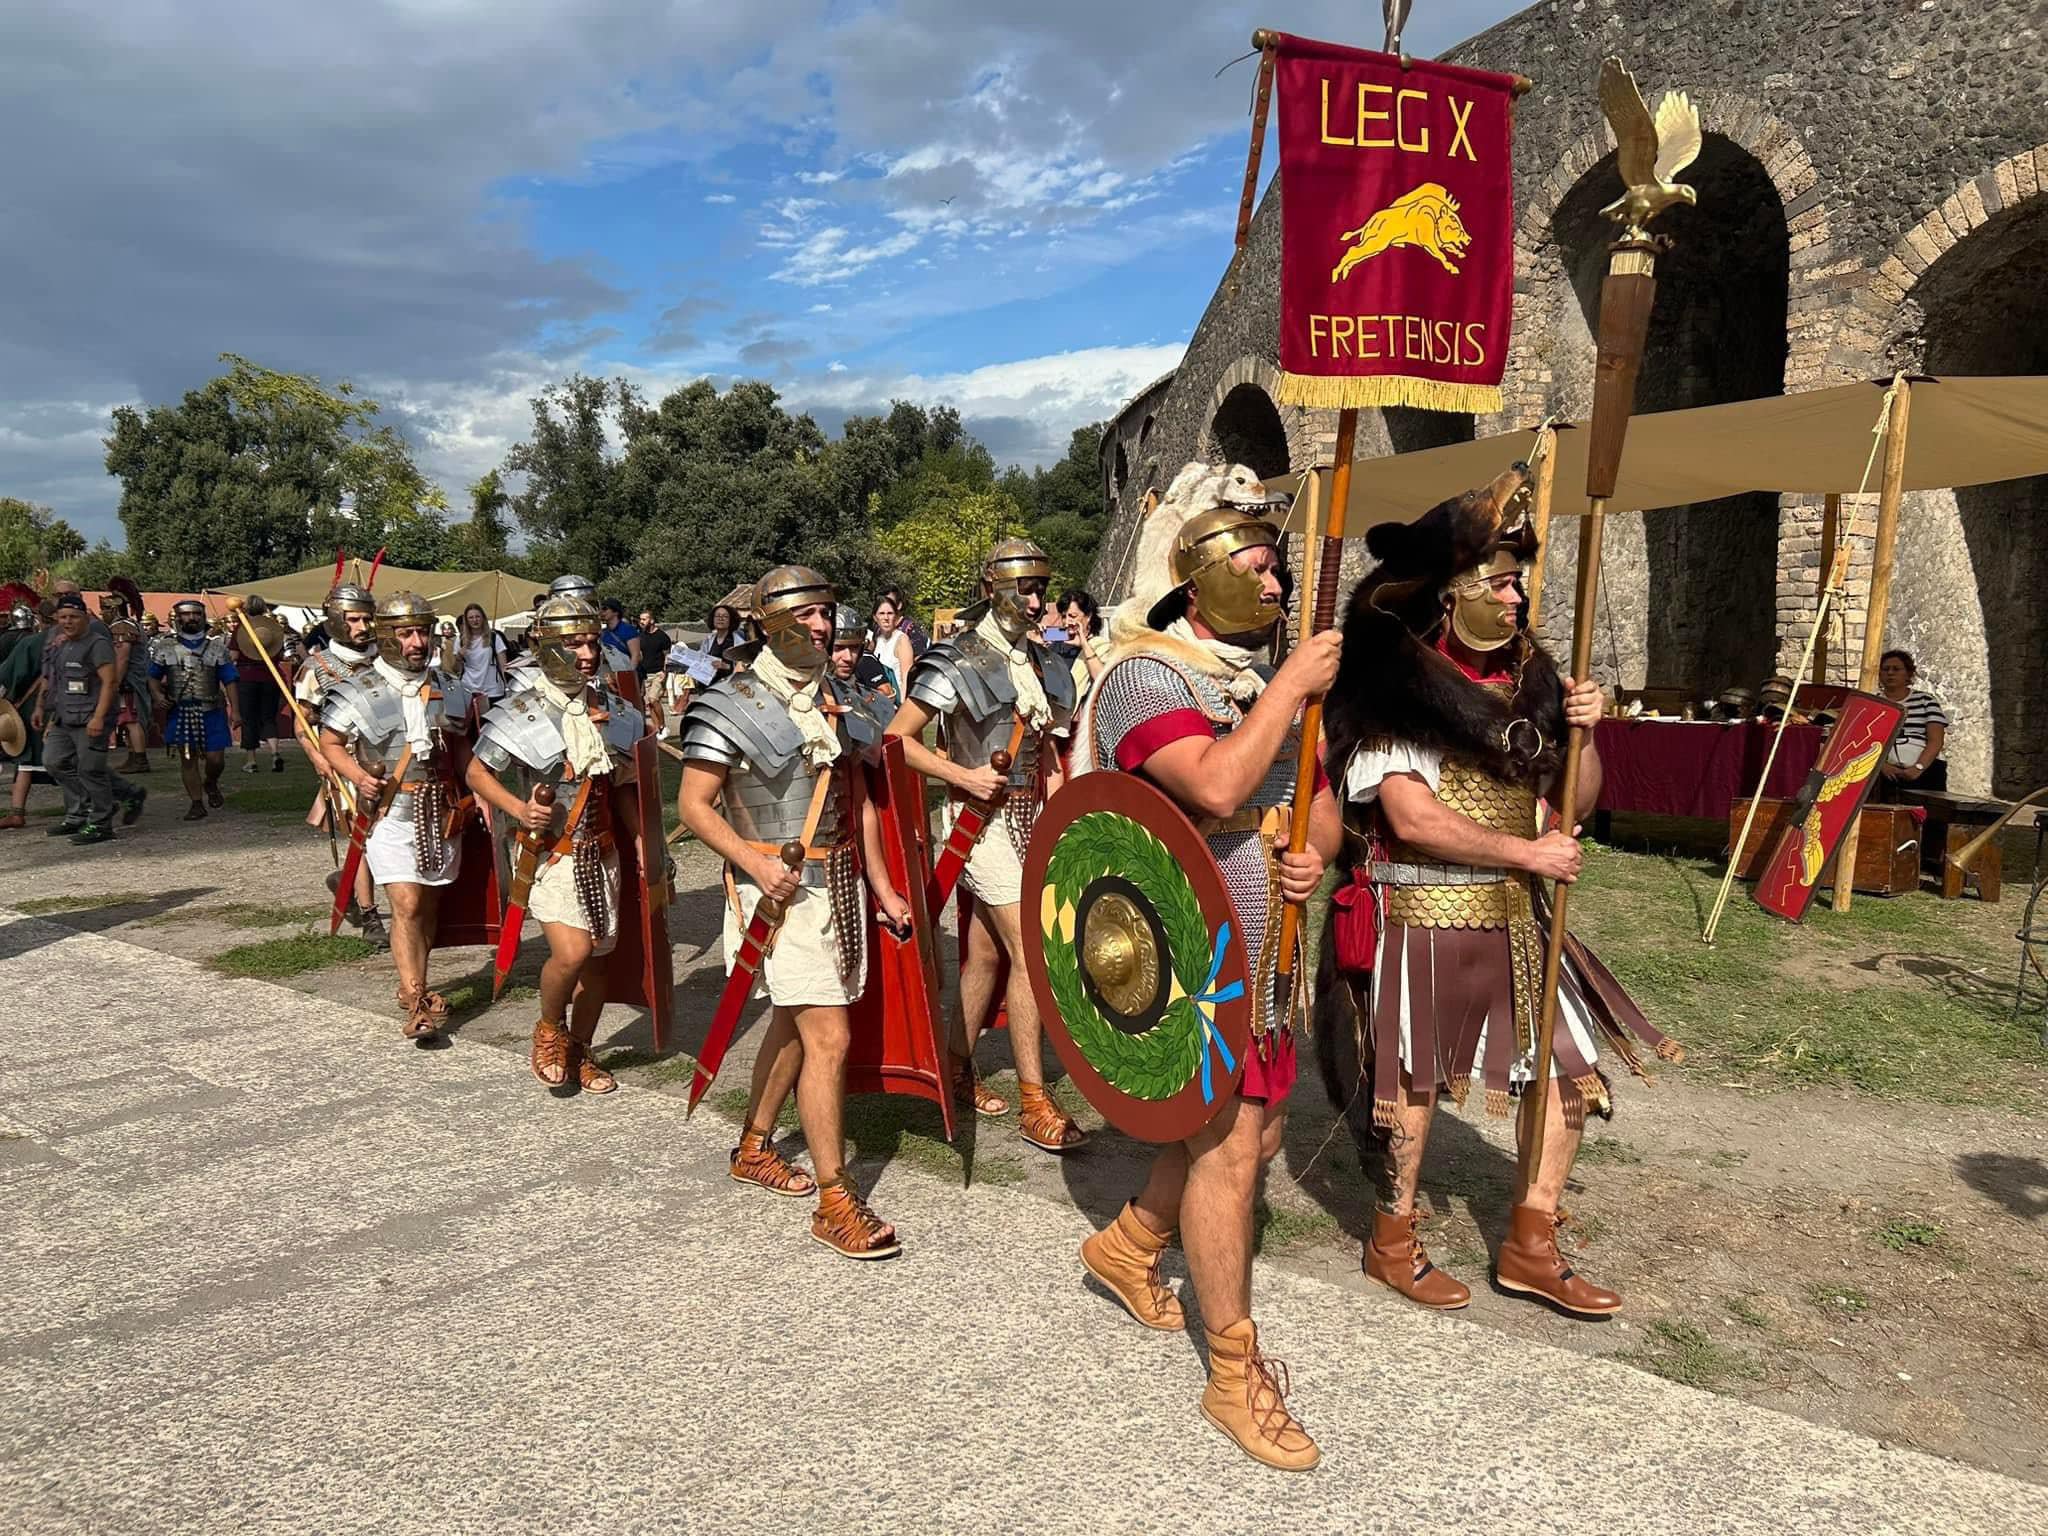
(268, 1269)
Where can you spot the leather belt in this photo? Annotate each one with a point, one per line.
(1267, 820)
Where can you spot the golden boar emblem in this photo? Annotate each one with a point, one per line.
(1426, 218)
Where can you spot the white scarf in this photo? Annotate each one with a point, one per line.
(1233, 662)
(803, 693)
(347, 655)
(583, 744)
(412, 698)
(1032, 707)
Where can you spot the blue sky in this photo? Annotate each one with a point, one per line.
(1018, 208)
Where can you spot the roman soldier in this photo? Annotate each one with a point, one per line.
(780, 745)
(121, 611)
(350, 614)
(1190, 701)
(385, 729)
(1446, 729)
(195, 678)
(569, 738)
(615, 659)
(995, 687)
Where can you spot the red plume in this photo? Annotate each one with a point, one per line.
(13, 592)
(371, 584)
(340, 558)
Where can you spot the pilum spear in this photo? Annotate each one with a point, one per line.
(1650, 151)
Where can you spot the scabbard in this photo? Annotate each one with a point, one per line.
(739, 986)
(972, 821)
(523, 875)
(345, 887)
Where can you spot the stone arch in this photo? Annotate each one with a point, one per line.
(1121, 472)
(1696, 595)
(1145, 431)
(1966, 292)
(1242, 410)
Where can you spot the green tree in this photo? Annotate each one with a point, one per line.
(244, 477)
(573, 507)
(33, 538)
(483, 543)
(92, 568)
(943, 544)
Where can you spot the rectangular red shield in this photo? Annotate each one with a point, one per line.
(899, 1032)
(1816, 822)
(472, 910)
(642, 970)
(1397, 241)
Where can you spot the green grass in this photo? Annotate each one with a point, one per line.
(1773, 1005)
(999, 1170)
(1680, 1350)
(1282, 1229)
(1905, 1233)
(1744, 1311)
(41, 905)
(241, 914)
(1596, 1150)
(1839, 1298)
(732, 1103)
(276, 959)
(1732, 1157)
(651, 1070)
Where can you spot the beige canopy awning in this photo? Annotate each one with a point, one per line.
(449, 591)
(1965, 431)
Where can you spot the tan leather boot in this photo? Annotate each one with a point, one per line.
(1125, 1257)
(1529, 1262)
(1394, 1256)
(1247, 1399)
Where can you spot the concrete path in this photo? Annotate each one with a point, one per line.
(266, 1268)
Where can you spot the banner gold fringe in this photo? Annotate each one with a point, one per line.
(1328, 392)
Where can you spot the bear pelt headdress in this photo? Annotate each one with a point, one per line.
(1395, 685)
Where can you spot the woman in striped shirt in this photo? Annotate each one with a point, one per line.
(1915, 758)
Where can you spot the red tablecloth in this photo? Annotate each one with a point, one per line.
(1697, 768)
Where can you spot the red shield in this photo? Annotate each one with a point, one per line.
(1138, 971)
(899, 1032)
(1812, 827)
(642, 973)
(472, 910)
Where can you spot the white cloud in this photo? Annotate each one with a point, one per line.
(720, 198)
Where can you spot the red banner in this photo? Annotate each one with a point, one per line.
(1815, 824)
(1397, 243)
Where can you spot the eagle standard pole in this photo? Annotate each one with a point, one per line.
(1625, 299)
(1323, 614)
(1888, 493)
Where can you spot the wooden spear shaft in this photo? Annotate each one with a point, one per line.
(1544, 453)
(1329, 555)
(1625, 299)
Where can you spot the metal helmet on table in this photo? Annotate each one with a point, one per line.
(557, 625)
(399, 612)
(1010, 564)
(778, 598)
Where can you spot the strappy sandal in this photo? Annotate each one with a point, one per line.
(591, 1077)
(421, 1022)
(970, 1092)
(550, 1056)
(844, 1223)
(755, 1161)
(1044, 1124)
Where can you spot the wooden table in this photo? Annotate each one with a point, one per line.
(1971, 815)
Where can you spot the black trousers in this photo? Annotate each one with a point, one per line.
(260, 702)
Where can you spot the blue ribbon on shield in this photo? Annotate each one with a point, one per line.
(1205, 1003)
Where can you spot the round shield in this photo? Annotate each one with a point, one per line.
(1135, 962)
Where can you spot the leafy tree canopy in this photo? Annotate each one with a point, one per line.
(34, 539)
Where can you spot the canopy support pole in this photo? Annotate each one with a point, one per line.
(1889, 491)
(1830, 531)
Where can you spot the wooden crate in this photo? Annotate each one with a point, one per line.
(1887, 846)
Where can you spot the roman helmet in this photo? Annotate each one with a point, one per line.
(574, 586)
(188, 616)
(557, 624)
(343, 599)
(1010, 563)
(113, 606)
(778, 597)
(849, 625)
(1478, 617)
(1232, 601)
(402, 611)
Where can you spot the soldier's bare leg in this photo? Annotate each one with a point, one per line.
(1223, 1161)
(411, 919)
(776, 1065)
(1560, 1151)
(978, 978)
(190, 769)
(1400, 1171)
(821, 1086)
(1025, 1037)
(568, 953)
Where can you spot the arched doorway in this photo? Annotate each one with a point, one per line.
(1247, 430)
(1983, 309)
(1718, 333)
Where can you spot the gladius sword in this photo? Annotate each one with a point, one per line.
(754, 946)
(525, 865)
(974, 817)
(367, 815)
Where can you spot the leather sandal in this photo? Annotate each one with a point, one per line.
(591, 1077)
(1044, 1124)
(421, 1023)
(970, 1092)
(550, 1056)
(12, 821)
(844, 1223)
(755, 1161)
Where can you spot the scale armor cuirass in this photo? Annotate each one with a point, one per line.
(366, 709)
(192, 676)
(965, 682)
(524, 730)
(1425, 893)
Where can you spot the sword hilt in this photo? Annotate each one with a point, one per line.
(792, 856)
(1000, 761)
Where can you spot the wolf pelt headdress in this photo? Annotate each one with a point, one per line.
(1394, 684)
(1198, 488)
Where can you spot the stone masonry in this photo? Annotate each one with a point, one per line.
(1870, 200)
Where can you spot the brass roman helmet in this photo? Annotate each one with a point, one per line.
(113, 606)
(1010, 564)
(778, 597)
(402, 611)
(1231, 601)
(557, 624)
(1480, 620)
(189, 616)
(343, 599)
